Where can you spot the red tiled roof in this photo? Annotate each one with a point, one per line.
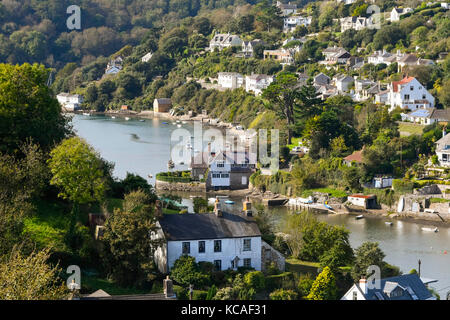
(361, 196)
(355, 156)
(403, 81)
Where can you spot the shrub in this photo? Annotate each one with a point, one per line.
(255, 280)
(276, 281)
(403, 186)
(281, 294)
(200, 295)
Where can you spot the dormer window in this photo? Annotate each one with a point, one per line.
(411, 88)
(220, 164)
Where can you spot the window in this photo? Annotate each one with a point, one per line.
(218, 265)
(186, 247)
(217, 245)
(424, 96)
(411, 88)
(220, 164)
(407, 97)
(201, 246)
(355, 295)
(247, 244)
(216, 175)
(225, 175)
(247, 263)
(244, 180)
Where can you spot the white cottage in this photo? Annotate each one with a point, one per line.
(227, 240)
(230, 80)
(70, 102)
(224, 40)
(409, 94)
(256, 83)
(443, 149)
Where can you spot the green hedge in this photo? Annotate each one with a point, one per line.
(176, 176)
(422, 183)
(276, 281)
(403, 186)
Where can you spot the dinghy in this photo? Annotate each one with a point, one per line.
(229, 202)
(389, 223)
(359, 217)
(430, 229)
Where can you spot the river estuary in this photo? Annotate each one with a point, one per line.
(144, 148)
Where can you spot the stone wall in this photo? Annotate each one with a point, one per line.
(269, 255)
(180, 186)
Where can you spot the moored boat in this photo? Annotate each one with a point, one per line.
(359, 217)
(430, 229)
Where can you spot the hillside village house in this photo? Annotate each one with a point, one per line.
(287, 9)
(292, 22)
(355, 158)
(248, 47)
(224, 239)
(256, 83)
(230, 80)
(397, 12)
(404, 287)
(224, 40)
(114, 66)
(443, 149)
(362, 200)
(162, 105)
(379, 57)
(281, 55)
(321, 79)
(346, 2)
(147, 57)
(335, 55)
(70, 102)
(230, 170)
(409, 94)
(420, 116)
(343, 82)
(355, 23)
(411, 60)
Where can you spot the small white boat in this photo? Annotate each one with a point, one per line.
(430, 229)
(359, 217)
(181, 163)
(86, 114)
(126, 118)
(179, 125)
(211, 200)
(173, 123)
(183, 122)
(142, 120)
(113, 117)
(222, 196)
(389, 223)
(229, 202)
(150, 176)
(178, 121)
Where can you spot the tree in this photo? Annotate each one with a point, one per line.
(30, 277)
(28, 108)
(128, 250)
(255, 280)
(293, 228)
(369, 253)
(282, 95)
(324, 287)
(186, 271)
(78, 171)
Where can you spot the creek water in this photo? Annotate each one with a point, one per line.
(144, 148)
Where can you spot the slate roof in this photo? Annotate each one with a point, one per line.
(413, 287)
(177, 227)
(441, 114)
(102, 295)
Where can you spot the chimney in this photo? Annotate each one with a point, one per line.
(209, 149)
(168, 287)
(217, 209)
(247, 210)
(363, 285)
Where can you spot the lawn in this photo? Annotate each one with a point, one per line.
(407, 128)
(438, 200)
(294, 143)
(91, 284)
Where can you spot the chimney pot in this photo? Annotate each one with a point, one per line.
(217, 209)
(363, 285)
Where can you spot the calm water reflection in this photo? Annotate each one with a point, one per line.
(144, 148)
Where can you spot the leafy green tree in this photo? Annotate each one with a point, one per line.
(237, 291)
(28, 108)
(324, 287)
(186, 271)
(282, 95)
(30, 277)
(369, 253)
(305, 283)
(78, 171)
(128, 248)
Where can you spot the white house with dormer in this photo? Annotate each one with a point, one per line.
(230, 80)
(443, 149)
(256, 83)
(292, 22)
(287, 8)
(70, 102)
(221, 41)
(226, 240)
(409, 94)
(397, 12)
